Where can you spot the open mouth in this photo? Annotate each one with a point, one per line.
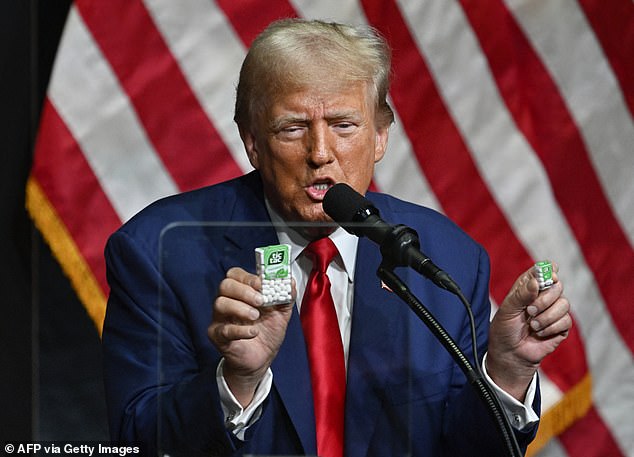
(317, 190)
(322, 186)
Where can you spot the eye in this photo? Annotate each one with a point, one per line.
(291, 129)
(344, 127)
(290, 132)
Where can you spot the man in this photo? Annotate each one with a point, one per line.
(194, 363)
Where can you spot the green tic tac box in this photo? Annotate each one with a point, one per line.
(273, 265)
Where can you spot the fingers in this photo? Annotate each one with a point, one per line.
(242, 286)
(543, 299)
(236, 308)
(554, 319)
(233, 320)
(223, 334)
(549, 312)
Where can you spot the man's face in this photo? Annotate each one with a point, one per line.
(310, 139)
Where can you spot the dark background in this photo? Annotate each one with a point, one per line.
(50, 357)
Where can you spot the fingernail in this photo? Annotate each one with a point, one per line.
(531, 310)
(534, 325)
(254, 314)
(259, 299)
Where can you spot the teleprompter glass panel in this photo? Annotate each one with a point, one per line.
(399, 378)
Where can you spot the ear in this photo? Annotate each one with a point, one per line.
(380, 142)
(248, 139)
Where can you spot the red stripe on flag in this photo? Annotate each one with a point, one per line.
(250, 17)
(613, 24)
(453, 175)
(588, 437)
(71, 186)
(190, 147)
(540, 113)
(567, 365)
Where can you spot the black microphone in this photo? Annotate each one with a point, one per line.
(399, 244)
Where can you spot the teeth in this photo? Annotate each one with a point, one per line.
(323, 186)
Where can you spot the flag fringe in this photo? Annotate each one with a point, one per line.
(574, 405)
(55, 233)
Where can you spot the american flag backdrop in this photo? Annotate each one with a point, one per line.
(514, 117)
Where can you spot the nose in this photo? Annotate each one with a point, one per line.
(320, 147)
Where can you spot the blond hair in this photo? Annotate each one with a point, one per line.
(296, 53)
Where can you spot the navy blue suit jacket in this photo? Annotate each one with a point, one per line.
(405, 395)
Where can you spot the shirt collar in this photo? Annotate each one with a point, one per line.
(345, 242)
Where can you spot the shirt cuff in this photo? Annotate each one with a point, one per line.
(237, 418)
(520, 415)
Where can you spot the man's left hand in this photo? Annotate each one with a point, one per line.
(527, 327)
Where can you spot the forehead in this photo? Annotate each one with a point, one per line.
(322, 99)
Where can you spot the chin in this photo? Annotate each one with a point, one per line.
(315, 217)
(313, 233)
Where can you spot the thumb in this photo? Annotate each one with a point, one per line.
(523, 292)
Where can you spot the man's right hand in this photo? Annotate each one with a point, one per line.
(247, 334)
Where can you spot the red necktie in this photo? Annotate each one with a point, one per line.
(325, 350)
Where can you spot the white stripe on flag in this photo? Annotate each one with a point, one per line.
(399, 172)
(550, 393)
(554, 449)
(504, 159)
(332, 10)
(210, 55)
(111, 138)
(574, 58)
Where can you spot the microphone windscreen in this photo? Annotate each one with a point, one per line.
(342, 203)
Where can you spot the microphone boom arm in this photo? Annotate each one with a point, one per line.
(474, 375)
(401, 247)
